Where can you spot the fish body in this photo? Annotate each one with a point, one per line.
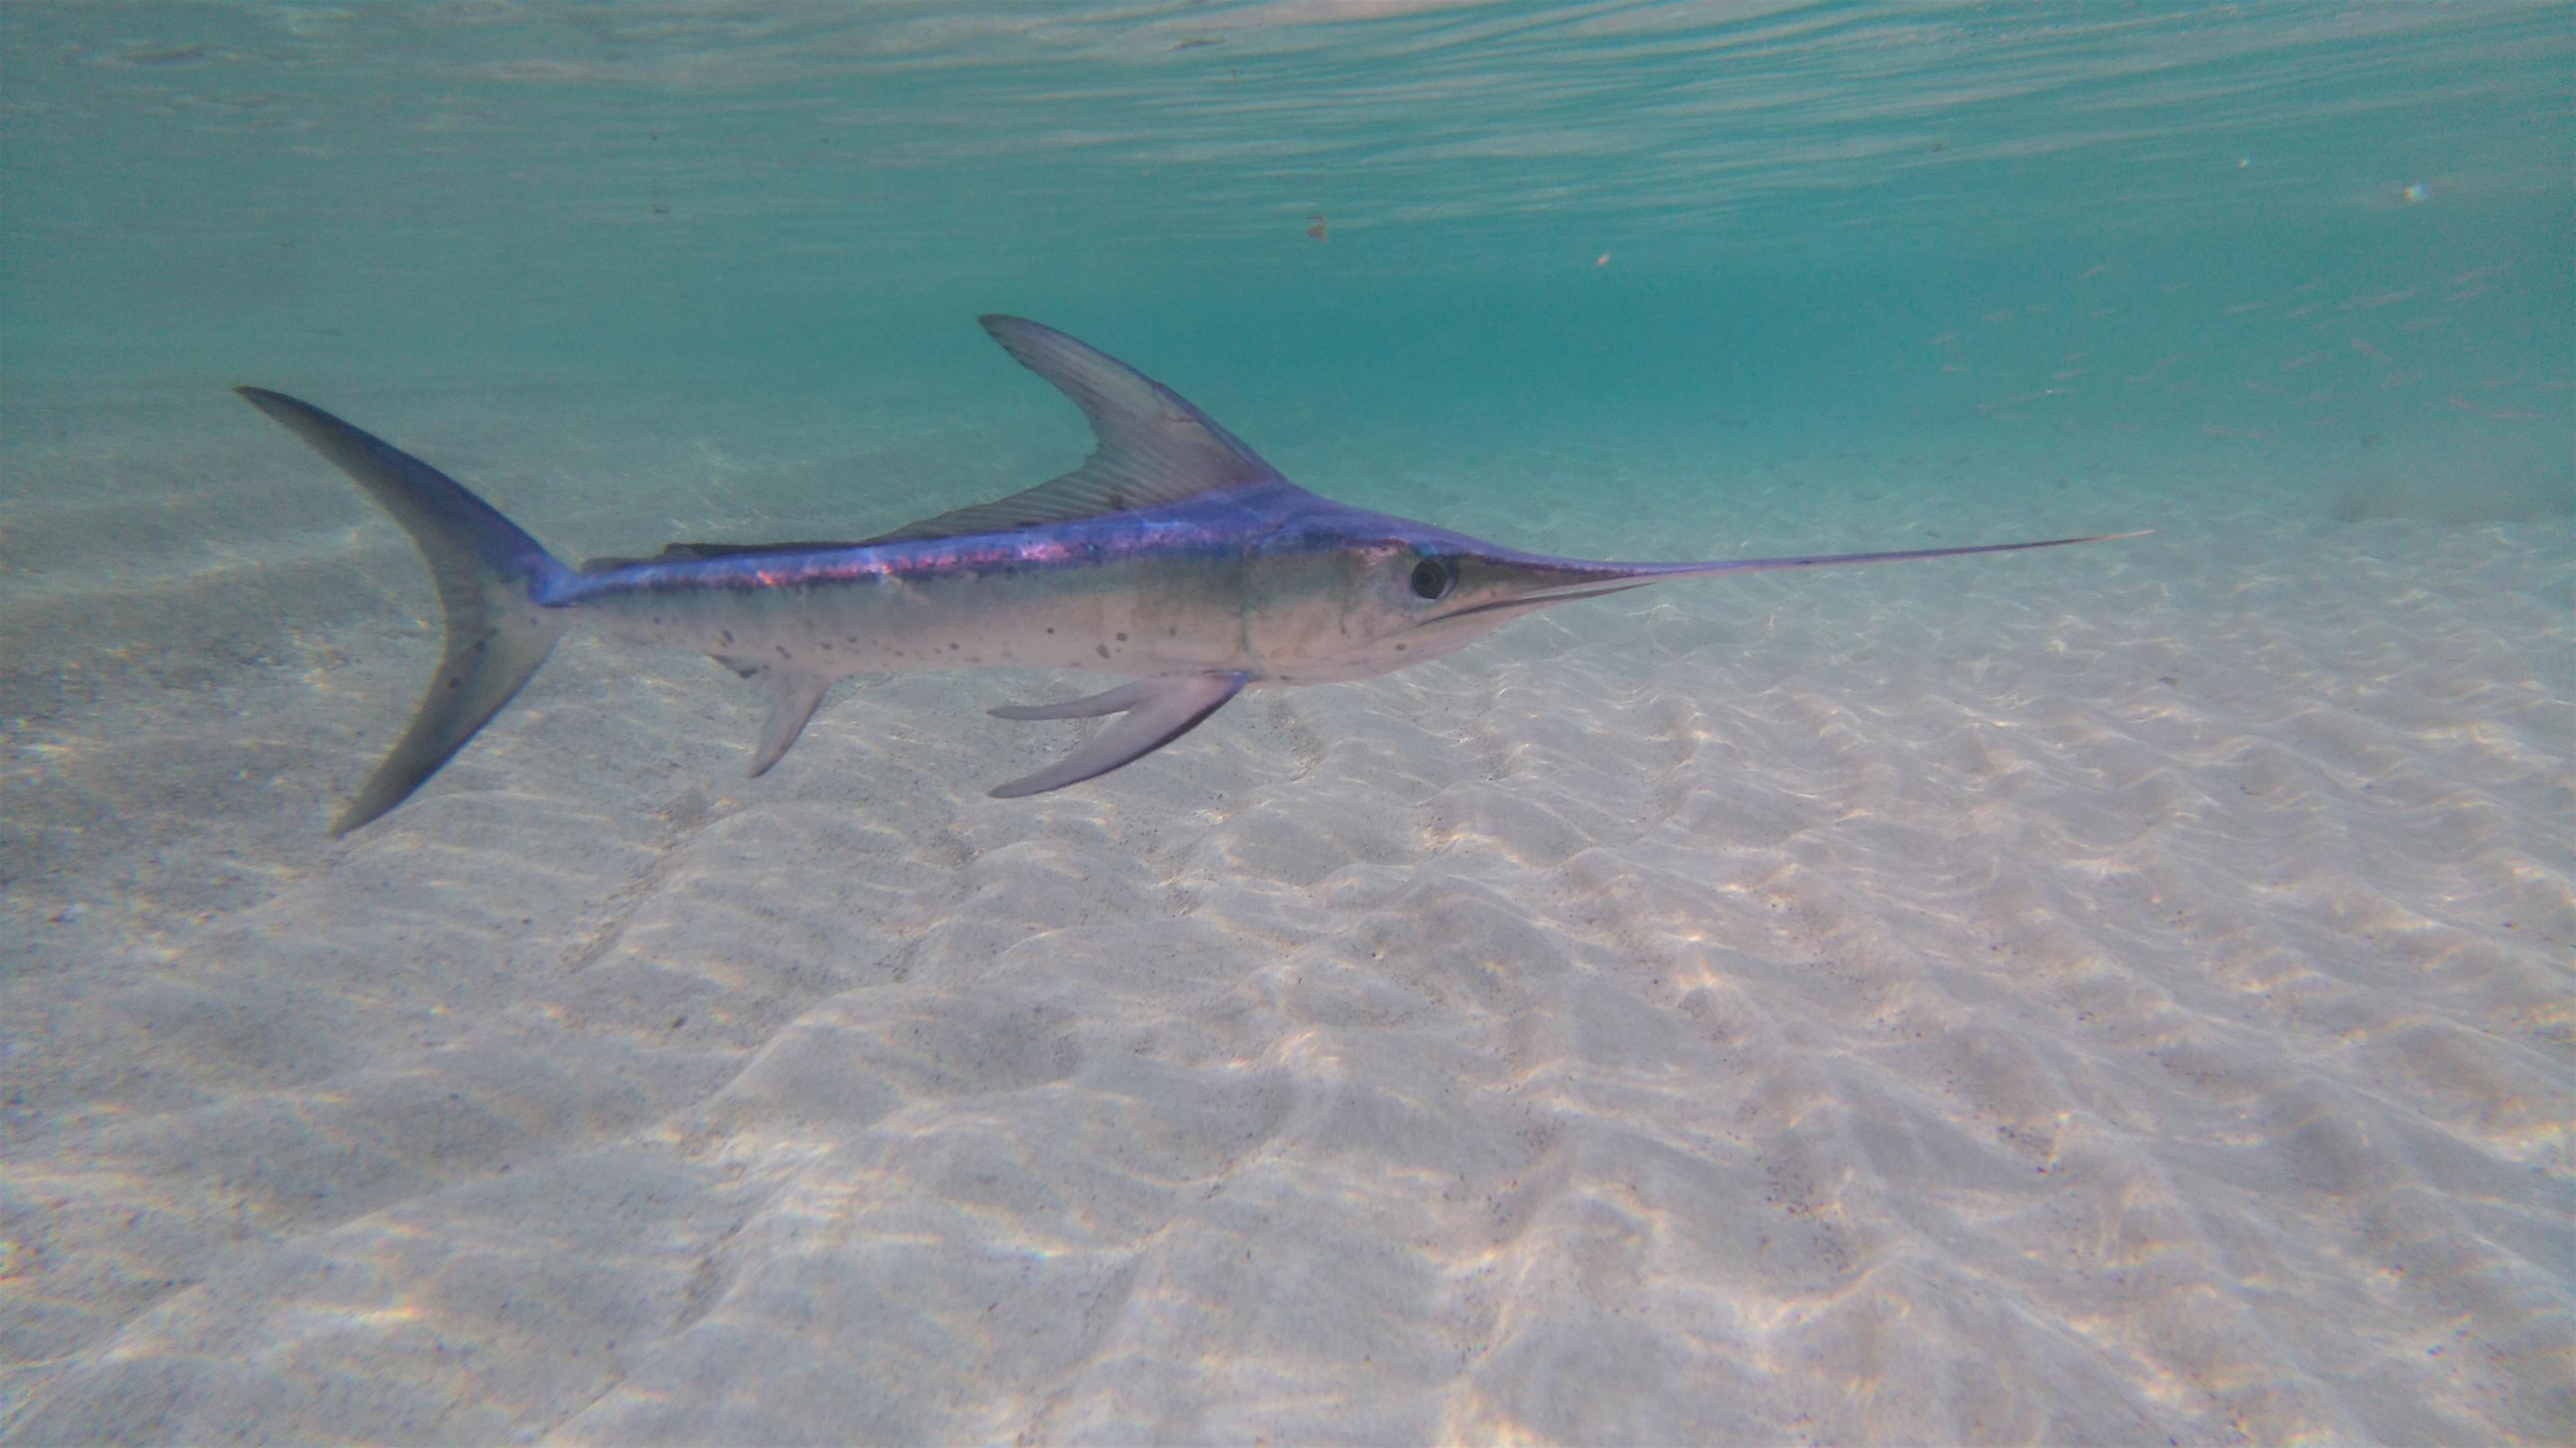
(1174, 558)
(1146, 594)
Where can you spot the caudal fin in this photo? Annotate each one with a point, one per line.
(484, 566)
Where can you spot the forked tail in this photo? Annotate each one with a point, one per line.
(484, 566)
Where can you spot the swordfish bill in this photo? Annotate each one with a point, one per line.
(1173, 559)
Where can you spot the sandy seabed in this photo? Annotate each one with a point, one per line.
(2113, 995)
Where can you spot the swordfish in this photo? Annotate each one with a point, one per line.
(1173, 557)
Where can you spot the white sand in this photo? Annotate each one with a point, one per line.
(2118, 995)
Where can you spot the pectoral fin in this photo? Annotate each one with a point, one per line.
(1156, 712)
(1116, 701)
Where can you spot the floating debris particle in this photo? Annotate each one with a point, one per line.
(1319, 226)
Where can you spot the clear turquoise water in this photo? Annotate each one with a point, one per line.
(2120, 997)
(1793, 202)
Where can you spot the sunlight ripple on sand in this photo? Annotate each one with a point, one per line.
(2074, 998)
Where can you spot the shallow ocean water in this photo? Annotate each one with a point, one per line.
(2112, 994)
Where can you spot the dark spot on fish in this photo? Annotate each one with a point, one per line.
(1399, 648)
(1101, 649)
(456, 681)
(952, 648)
(782, 651)
(1050, 630)
(1122, 638)
(678, 1021)
(727, 635)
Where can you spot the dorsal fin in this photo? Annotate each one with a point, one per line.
(1154, 447)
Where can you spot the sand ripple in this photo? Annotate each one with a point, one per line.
(2080, 1000)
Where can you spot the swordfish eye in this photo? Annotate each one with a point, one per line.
(1434, 577)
